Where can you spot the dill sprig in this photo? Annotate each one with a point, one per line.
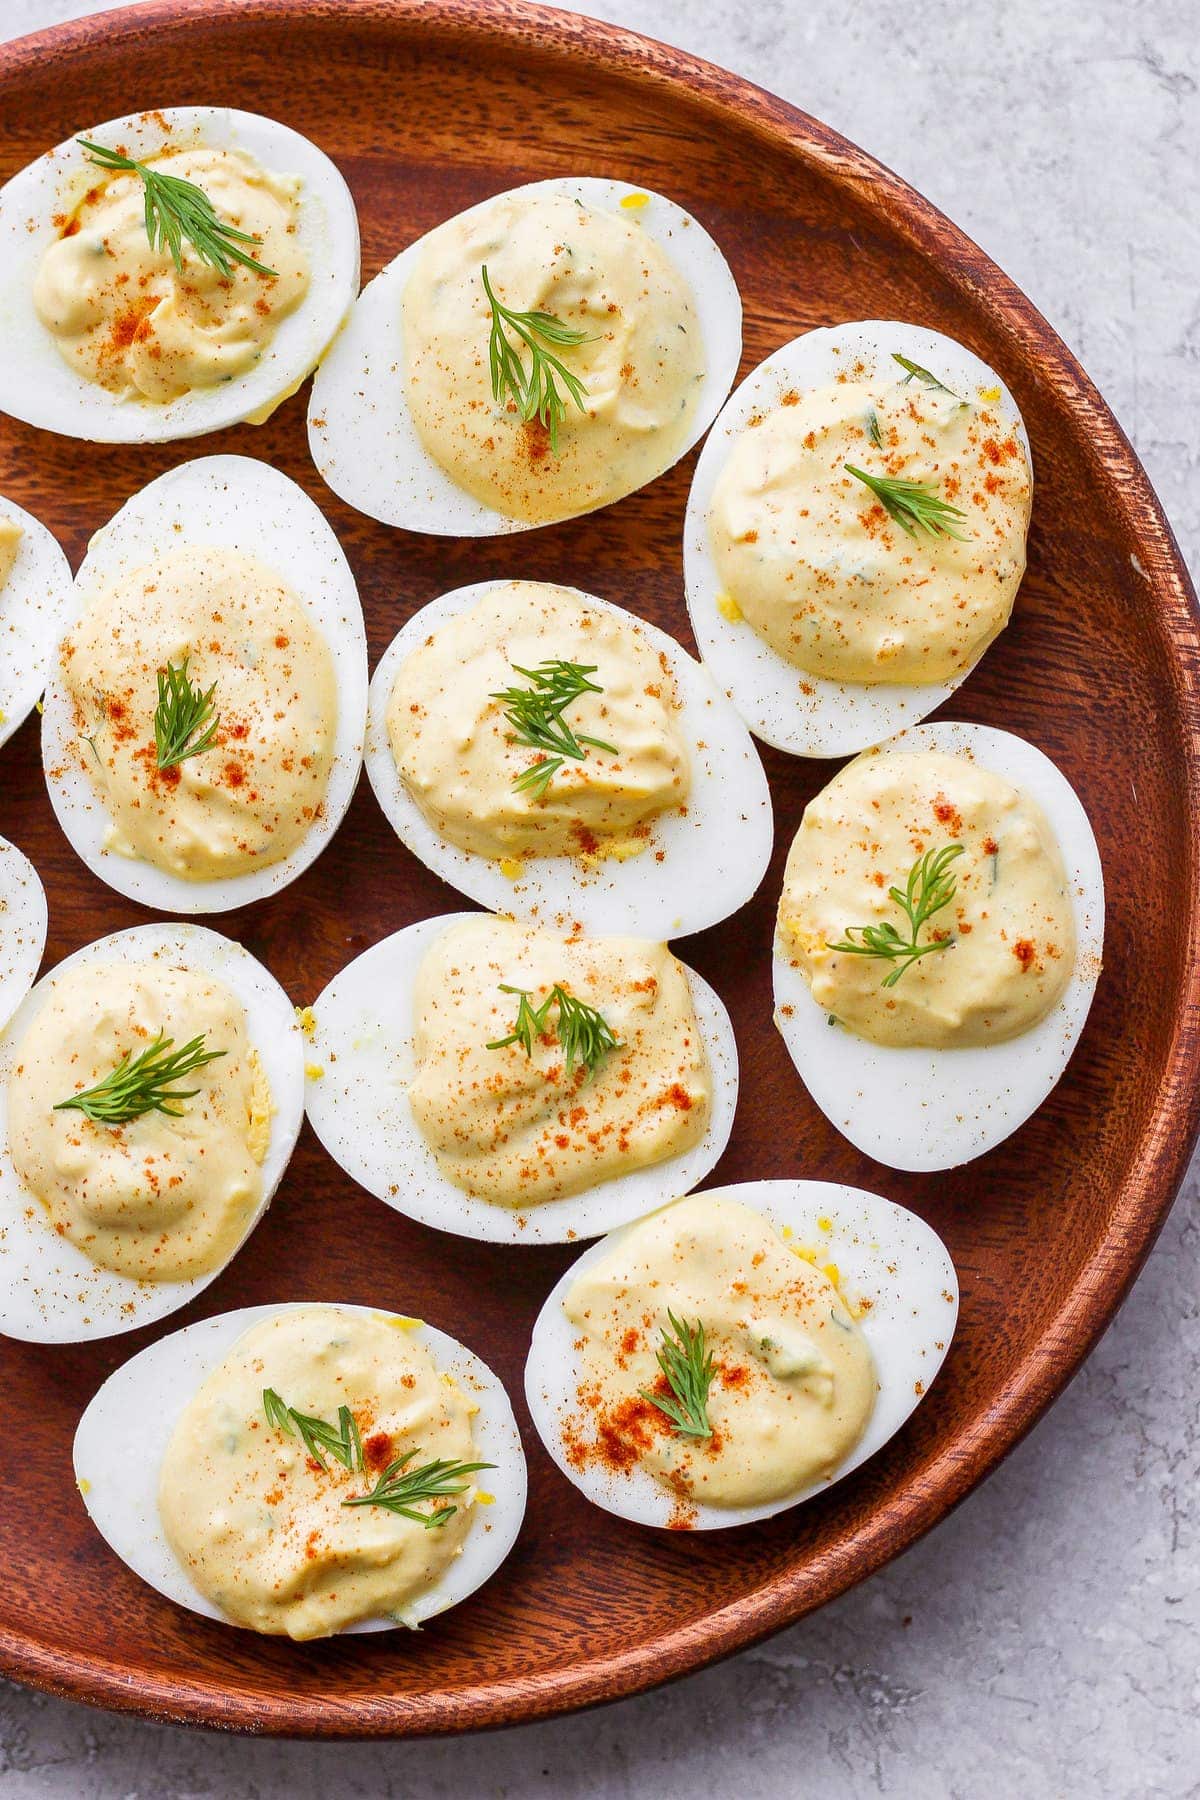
(915, 505)
(182, 711)
(529, 1025)
(343, 1443)
(584, 1035)
(914, 369)
(141, 1084)
(534, 390)
(689, 1368)
(177, 210)
(535, 714)
(929, 889)
(401, 1489)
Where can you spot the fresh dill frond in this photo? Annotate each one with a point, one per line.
(914, 370)
(143, 1083)
(584, 1035)
(689, 1368)
(179, 211)
(529, 1025)
(929, 889)
(535, 390)
(401, 1489)
(915, 505)
(181, 713)
(343, 1442)
(535, 715)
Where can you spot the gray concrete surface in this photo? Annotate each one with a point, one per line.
(1043, 1642)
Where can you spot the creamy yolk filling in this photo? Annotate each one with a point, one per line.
(159, 1198)
(794, 1384)
(457, 753)
(123, 316)
(517, 1129)
(1010, 927)
(642, 363)
(10, 543)
(815, 564)
(261, 1528)
(253, 796)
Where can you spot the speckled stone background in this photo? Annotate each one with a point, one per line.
(1043, 1642)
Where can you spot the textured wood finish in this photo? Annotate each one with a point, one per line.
(428, 107)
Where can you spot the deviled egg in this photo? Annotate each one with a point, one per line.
(169, 273)
(939, 940)
(151, 1094)
(738, 1351)
(35, 603)
(551, 755)
(307, 1469)
(537, 356)
(855, 534)
(23, 922)
(514, 1084)
(203, 729)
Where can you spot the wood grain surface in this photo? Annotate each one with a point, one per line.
(427, 108)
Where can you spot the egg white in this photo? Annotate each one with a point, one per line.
(50, 1291)
(884, 1255)
(23, 922)
(783, 705)
(715, 856)
(35, 603)
(935, 1108)
(124, 1433)
(359, 1108)
(232, 503)
(36, 383)
(361, 432)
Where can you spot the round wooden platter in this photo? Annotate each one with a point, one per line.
(428, 106)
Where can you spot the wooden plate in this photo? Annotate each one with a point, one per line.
(427, 107)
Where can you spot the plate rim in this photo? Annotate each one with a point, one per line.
(946, 1477)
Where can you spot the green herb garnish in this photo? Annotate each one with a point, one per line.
(141, 1084)
(915, 505)
(177, 210)
(922, 375)
(529, 1025)
(534, 390)
(320, 1439)
(181, 713)
(584, 1035)
(400, 1489)
(929, 889)
(873, 431)
(689, 1369)
(535, 714)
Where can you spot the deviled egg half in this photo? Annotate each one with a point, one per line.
(938, 943)
(537, 356)
(510, 1083)
(151, 1094)
(23, 922)
(738, 1351)
(169, 273)
(203, 728)
(35, 603)
(855, 536)
(551, 755)
(307, 1469)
